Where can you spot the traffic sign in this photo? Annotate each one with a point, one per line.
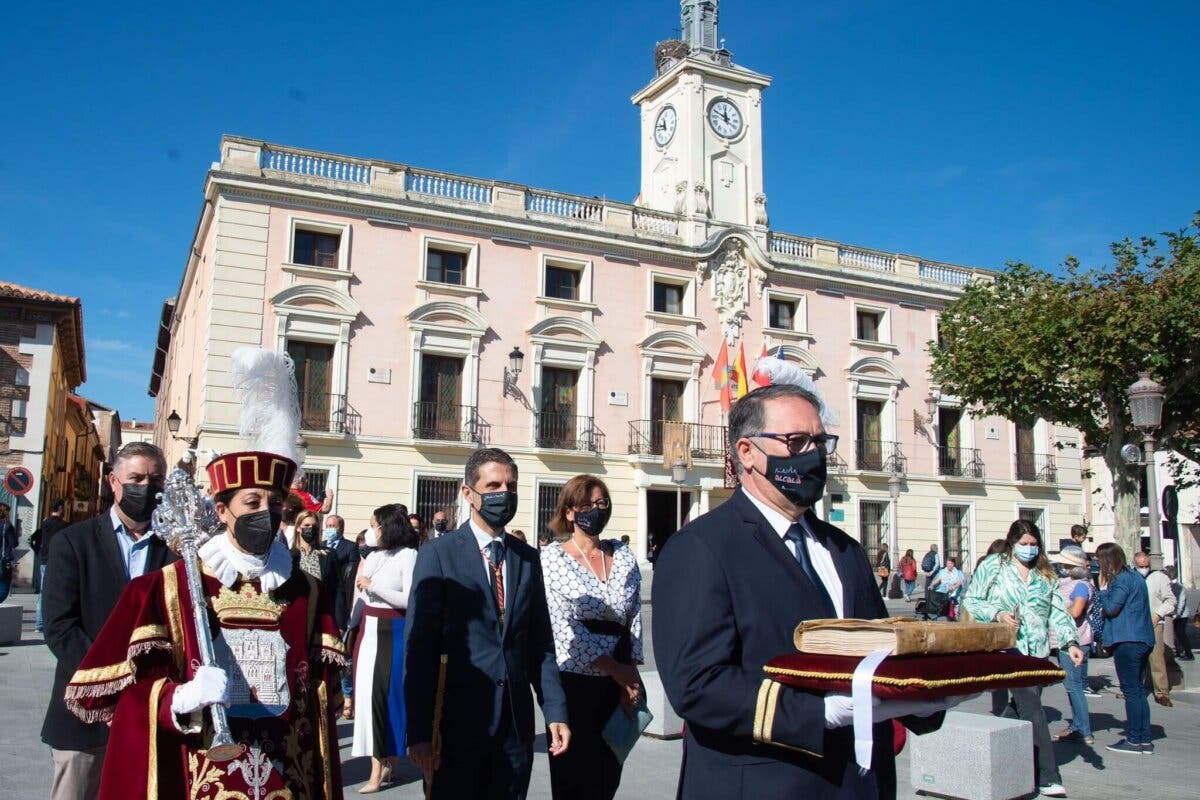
(18, 481)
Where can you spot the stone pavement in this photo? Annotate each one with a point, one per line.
(26, 672)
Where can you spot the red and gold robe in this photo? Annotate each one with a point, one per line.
(282, 654)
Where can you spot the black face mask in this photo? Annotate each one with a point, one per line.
(138, 500)
(801, 479)
(255, 532)
(593, 521)
(439, 525)
(497, 508)
(309, 535)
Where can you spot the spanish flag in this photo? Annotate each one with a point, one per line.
(721, 377)
(740, 387)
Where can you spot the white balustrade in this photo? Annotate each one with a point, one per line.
(943, 273)
(786, 245)
(652, 222)
(453, 188)
(296, 163)
(557, 205)
(865, 259)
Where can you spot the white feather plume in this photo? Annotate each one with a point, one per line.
(780, 371)
(270, 418)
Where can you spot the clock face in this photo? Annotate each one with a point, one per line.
(664, 126)
(725, 119)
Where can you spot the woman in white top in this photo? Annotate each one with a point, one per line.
(593, 591)
(383, 583)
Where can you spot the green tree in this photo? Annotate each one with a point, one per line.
(1032, 345)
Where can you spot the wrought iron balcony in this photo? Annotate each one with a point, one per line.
(564, 431)
(1036, 467)
(328, 413)
(646, 438)
(445, 422)
(871, 455)
(960, 462)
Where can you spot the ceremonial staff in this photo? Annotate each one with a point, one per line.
(184, 518)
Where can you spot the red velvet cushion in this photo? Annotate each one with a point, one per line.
(916, 677)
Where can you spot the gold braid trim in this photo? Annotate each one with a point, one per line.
(332, 650)
(74, 694)
(760, 709)
(152, 776)
(764, 718)
(924, 683)
(148, 632)
(109, 674)
(174, 614)
(323, 737)
(769, 717)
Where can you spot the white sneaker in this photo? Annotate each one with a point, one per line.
(1052, 790)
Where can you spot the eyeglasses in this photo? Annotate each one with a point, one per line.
(603, 505)
(801, 442)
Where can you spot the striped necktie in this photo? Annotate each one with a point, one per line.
(494, 552)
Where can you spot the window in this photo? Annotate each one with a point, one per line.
(445, 266)
(782, 314)
(870, 434)
(21, 377)
(437, 494)
(562, 283)
(872, 526)
(1027, 466)
(315, 249)
(314, 380)
(1034, 515)
(956, 538)
(668, 298)
(547, 502)
(556, 420)
(316, 481)
(868, 325)
(439, 409)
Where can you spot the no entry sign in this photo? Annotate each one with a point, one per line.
(18, 481)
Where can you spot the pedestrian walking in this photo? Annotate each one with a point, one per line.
(593, 590)
(931, 563)
(384, 585)
(1129, 634)
(1162, 616)
(1018, 587)
(479, 602)
(90, 563)
(9, 540)
(39, 542)
(908, 574)
(1077, 594)
(1184, 610)
(883, 567)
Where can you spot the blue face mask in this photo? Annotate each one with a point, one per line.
(330, 535)
(1026, 553)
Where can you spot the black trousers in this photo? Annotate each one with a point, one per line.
(1183, 647)
(499, 770)
(588, 770)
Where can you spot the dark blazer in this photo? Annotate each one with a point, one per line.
(451, 610)
(84, 579)
(345, 555)
(727, 595)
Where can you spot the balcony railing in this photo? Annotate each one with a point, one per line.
(1036, 467)
(787, 245)
(443, 422)
(871, 455)
(561, 431)
(646, 437)
(328, 413)
(960, 462)
(866, 259)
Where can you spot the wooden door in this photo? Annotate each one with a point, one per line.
(1026, 463)
(666, 405)
(314, 382)
(870, 434)
(556, 422)
(440, 412)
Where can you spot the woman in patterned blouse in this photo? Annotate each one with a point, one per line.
(593, 591)
(1018, 587)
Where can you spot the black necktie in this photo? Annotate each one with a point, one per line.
(795, 535)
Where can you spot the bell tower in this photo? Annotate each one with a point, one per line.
(702, 130)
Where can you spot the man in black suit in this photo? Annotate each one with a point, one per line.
(345, 556)
(729, 590)
(90, 563)
(478, 598)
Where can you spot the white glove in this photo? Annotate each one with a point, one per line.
(839, 709)
(209, 687)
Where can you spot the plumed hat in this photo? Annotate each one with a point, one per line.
(776, 370)
(270, 421)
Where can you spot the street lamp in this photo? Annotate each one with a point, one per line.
(1146, 406)
(173, 423)
(678, 476)
(516, 362)
(894, 591)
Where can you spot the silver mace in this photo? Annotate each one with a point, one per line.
(185, 517)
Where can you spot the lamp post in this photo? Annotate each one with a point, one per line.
(894, 591)
(516, 362)
(1146, 406)
(678, 476)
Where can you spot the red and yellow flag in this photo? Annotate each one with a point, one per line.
(741, 387)
(721, 377)
(758, 377)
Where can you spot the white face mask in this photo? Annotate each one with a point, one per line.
(372, 537)
(1144, 571)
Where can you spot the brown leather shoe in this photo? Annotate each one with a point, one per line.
(1163, 700)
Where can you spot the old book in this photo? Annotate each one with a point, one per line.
(903, 637)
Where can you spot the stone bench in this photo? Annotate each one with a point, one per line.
(666, 723)
(10, 624)
(974, 757)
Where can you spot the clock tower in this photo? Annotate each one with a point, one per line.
(702, 130)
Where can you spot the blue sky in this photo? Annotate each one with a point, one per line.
(967, 132)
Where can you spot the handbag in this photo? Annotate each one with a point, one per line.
(882, 572)
(621, 733)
